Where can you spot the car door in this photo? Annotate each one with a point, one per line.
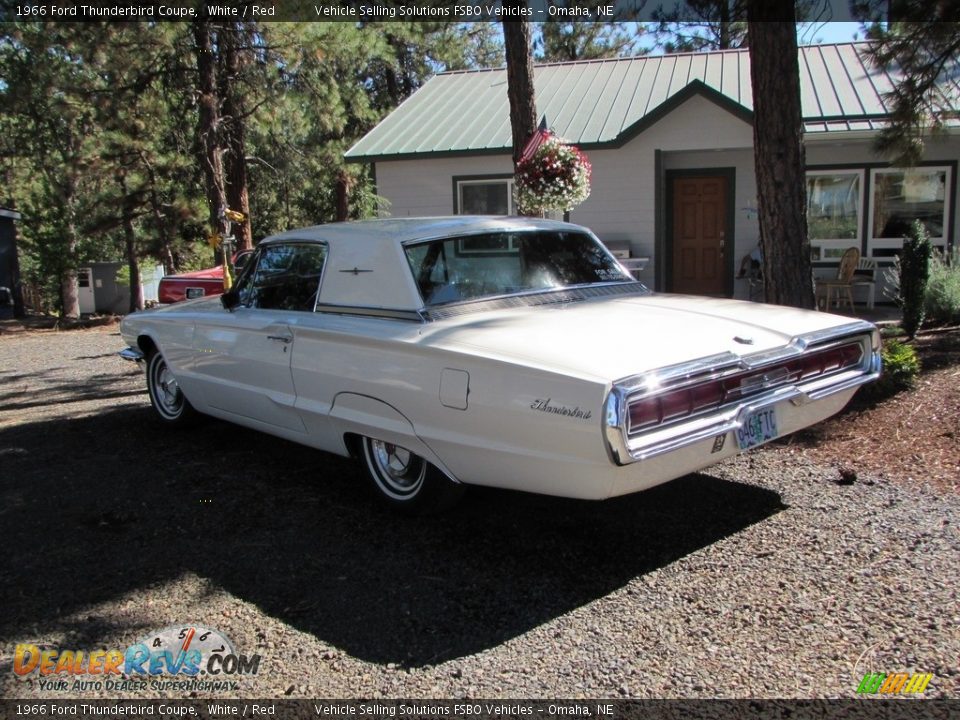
(243, 354)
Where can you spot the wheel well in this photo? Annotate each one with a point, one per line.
(146, 345)
(354, 447)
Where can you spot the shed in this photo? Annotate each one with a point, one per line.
(11, 299)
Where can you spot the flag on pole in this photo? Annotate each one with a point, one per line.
(534, 143)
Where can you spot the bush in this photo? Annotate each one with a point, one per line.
(942, 299)
(901, 366)
(914, 275)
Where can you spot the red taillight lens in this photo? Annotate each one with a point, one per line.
(675, 404)
(837, 358)
(708, 395)
(645, 412)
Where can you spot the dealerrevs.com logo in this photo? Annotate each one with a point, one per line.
(174, 658)
(894, 683)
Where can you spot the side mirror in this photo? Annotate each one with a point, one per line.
(230, 299)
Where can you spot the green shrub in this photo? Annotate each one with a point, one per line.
(901, 366)
(942, 299)
(914, 275)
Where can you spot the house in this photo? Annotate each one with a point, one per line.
(670, 139)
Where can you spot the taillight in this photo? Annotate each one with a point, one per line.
(671, 405)
(675, 404)
(838, 358)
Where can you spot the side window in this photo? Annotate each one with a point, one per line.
(287, 277)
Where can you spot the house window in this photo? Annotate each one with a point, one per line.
(833, 212)
(486, 197)
(902, 196)
(833, 206)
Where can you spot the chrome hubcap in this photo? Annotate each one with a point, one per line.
(169, 389)
(165, 390)
(400, 472)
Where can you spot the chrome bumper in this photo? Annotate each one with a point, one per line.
(131, 354)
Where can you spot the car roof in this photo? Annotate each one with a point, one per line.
(367, 266)
(419, 228)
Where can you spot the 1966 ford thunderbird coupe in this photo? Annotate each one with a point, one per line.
(508, 352)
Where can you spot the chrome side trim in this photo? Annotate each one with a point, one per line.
(624, 449)
(131, 354)
(384, 313)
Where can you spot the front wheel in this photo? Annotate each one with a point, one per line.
(166, 396)
(407, 482)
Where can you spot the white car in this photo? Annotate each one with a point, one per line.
(508, 352)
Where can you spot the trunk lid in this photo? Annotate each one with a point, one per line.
(611, 338)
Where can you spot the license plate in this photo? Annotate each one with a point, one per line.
(195, 293)
(757, 428)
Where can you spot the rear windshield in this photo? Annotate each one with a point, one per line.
(504, 263)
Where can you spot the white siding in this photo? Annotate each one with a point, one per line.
(423, 188)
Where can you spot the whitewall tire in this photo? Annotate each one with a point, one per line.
(168, 400)
(405, 481)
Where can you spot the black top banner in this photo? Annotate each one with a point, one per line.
(383, 10)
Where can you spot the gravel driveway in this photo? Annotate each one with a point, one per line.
(761, 577)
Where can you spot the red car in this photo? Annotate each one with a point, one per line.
(199, 283)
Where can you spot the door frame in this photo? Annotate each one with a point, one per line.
(87, 297)
(670, 176)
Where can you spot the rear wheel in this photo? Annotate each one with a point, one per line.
(166, 396)
(406, 481)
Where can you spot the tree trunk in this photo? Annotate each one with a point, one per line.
(238, 196)
(520, 88)
(69, 290)
(778, 154)
(343, 195)
(208, 134)
(130, 245)
(161, 219)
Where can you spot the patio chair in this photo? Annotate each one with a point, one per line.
(865, 276)
(752, 272)
(841, 287)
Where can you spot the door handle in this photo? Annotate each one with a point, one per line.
(286, 339)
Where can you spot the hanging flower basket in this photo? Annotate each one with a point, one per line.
(551, 175)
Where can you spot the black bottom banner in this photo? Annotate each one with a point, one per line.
(854, 709)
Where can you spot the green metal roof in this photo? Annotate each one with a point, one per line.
(603, 103)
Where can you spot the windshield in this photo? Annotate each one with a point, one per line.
(502, 263)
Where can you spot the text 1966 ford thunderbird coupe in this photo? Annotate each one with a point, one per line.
(508, 352)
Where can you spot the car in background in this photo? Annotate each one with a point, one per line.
(497, 351)
(199, 283)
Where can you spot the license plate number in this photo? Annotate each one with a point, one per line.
(757, 428)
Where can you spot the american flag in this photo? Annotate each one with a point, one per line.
(534, 143)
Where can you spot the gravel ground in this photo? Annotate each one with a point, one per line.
(762, 577)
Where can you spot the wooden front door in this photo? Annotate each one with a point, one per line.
(699, 235)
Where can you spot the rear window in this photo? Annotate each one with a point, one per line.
(505, 263)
